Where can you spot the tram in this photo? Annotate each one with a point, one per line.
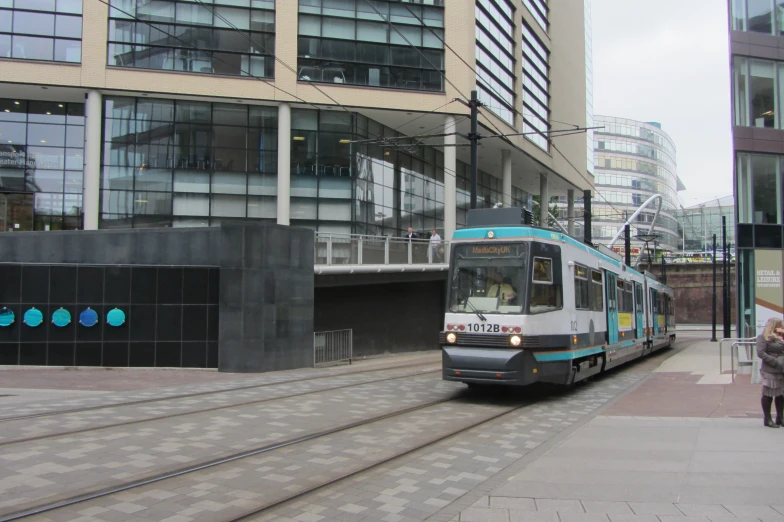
(527, 305)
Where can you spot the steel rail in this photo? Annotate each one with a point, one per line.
(92, 495)
(205, 410)
(200, 394)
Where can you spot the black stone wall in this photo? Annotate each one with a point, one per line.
(266, 298)
(171, 315)
(238, 297)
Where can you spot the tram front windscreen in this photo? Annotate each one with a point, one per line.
(488, 278)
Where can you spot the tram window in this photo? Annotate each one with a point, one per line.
(621, 297)
(545, 294)
(489, 281)
(638, 296)
(628, 298)
(543, 270)
(597, 291)
(582, 298)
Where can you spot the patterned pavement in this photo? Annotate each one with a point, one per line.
(419, 485)
(437, 482)
(23, 429)
(35, 406)
(35, 472)
(430, 464)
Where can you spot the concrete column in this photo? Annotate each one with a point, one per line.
(506, 166)
(284, 164)
(450, 181)
(92, 160)
(570, 211)
(544, 199)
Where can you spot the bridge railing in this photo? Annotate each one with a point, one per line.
(358, 249)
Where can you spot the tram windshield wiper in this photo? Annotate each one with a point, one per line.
(477, 312)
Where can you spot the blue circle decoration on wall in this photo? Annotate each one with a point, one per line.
(61, 318)
(33, 317)
(115, 317)
(88, 318)
(7, 317)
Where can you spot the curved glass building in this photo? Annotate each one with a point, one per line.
(633, 161)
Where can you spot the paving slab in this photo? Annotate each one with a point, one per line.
(680, 447)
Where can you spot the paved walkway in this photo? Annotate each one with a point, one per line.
(661, 440)
(677, 448)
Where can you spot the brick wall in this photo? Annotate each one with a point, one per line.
(693, 285)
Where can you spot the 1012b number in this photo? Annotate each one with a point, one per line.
(484, 327)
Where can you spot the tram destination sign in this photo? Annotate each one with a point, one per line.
(495, 250)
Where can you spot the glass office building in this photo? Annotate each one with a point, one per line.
(178, 113)
(756, 30)
(699, 223)
(633, 161)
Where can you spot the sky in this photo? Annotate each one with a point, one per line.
(668, 61)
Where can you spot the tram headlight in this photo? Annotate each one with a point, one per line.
(515, 340)
(451, 338)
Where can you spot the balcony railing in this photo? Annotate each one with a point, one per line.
(349, 253)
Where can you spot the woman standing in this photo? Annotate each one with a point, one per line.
(770, 348)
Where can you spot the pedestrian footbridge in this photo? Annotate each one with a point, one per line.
(358, 254)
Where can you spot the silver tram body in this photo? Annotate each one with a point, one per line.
(575, 311)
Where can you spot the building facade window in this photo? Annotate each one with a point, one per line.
(758, 16)
(540, 12)
(757, 92)
(633, 147)
(397, 45)
(226, 37)
(183, 163)
(41, 165)
(49, 30)
(180, 163)
(759, 188)
(321, 170)
(536, 89)
(495, 51)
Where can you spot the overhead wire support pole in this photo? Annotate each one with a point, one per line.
(713, 307)
(474, 138)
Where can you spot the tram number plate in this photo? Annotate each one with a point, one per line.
(484, 327)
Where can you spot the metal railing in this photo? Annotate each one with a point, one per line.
(358, 250)
(747, 356)
(734, 340)
(333, 346)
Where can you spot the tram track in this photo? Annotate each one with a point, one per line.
(250, 514)
(179, 472)
(207, 410)
(650, 361)
(200, 394)
(284, 496)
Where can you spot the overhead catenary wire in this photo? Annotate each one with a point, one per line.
(470, 67)
(248, 73)
(310, 82)
(191, 47)
(392, 26)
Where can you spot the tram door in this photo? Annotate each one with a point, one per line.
(611, 284)
(655, 310)
(638, 310)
